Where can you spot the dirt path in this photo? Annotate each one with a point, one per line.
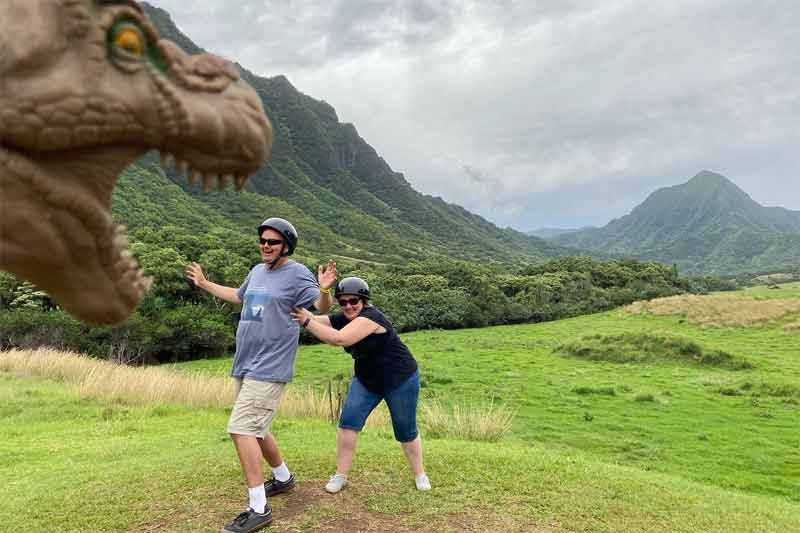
(309, 508)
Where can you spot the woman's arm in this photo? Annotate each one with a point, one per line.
(353, 332)
(325, 320)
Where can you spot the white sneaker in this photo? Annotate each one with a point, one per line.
(336, 483)
(423, 483)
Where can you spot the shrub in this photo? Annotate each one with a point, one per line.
(608, 391)
(187, 332)
(31, 329)
(643, 347)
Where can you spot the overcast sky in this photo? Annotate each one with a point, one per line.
(558, 113)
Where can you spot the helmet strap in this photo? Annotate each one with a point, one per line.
(280, 256)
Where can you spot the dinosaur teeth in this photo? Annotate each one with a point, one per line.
(167, 161)
(122, 267)
(224, 179)
(121, 242)
(129, 286)
(240, 181)
(183, 168)
(126, 263)
(208, 181)
(144, 283)
(192, 177)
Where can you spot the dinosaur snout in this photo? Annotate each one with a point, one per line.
(201, 72)
(215, 121)
(210, 67)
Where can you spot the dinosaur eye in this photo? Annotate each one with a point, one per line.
(130, 39)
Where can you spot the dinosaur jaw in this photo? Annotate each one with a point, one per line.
(207, 170)
(56, 230)
(211, 138)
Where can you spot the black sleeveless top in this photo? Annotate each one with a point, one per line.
(382, 361)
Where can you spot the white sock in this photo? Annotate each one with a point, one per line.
(281, 472)
(258, 499)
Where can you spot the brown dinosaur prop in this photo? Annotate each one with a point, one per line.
(86, 87)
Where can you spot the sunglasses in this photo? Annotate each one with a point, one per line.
(270, 242)
(349, 301)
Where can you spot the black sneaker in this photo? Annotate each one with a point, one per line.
(249, 521)
(273, 486)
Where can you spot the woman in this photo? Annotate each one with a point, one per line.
(384, 370)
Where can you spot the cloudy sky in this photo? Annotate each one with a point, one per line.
(558, 113)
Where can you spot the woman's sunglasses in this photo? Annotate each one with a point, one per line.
(348, 301)
(270, 242)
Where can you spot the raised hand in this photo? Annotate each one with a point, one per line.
(194, 272)
(327, 276)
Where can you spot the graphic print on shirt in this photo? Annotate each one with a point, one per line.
(255, 304)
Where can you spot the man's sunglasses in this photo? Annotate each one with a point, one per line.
(349, 301)
(270, 242)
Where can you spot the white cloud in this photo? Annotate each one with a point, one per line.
(540, 113)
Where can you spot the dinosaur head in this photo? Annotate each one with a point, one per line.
(86, 87)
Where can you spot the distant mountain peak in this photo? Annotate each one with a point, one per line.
(707, 175)
(707, 224)
(710, 181)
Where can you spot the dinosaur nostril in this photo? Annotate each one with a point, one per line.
(209, 66)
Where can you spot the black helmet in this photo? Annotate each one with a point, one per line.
(352, 285)
(284, 228)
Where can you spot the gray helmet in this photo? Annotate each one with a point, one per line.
(284, 228)
(352, 285)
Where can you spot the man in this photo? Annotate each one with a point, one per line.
(266, 346)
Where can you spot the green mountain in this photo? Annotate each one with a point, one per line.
(707, 225)
(343, 197)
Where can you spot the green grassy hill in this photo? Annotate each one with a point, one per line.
(684, 442)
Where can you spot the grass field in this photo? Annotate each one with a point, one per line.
(734, 429)
(596, 445)
(69, 464)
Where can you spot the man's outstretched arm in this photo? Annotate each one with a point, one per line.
(194, 272)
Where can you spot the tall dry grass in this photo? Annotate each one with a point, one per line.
(110, 381)
(722, 310)
(482, 422)
(155, 385)
(792, 326)
(106, 380)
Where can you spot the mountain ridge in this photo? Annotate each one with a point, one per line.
(326, 169)
(705, 225)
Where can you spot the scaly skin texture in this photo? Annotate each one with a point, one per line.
(86, 87)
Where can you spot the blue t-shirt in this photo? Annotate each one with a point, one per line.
(266, 339)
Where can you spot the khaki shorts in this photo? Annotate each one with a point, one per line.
(255, 406)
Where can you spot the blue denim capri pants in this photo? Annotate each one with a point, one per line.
(402, 403)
